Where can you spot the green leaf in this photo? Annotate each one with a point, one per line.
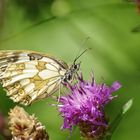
(118, 119)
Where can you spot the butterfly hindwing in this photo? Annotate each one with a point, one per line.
(29, 76)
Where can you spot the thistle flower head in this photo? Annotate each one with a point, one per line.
(25, 127)
(85, 107)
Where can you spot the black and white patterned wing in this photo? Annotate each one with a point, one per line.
(29, 76)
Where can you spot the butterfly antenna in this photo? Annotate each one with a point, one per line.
(83, 44)
(81, 54)
(85, 41)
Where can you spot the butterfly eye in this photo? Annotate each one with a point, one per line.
(75, 66)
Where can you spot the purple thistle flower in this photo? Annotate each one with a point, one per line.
(85, 107)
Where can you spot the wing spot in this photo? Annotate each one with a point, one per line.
(21, 66)
(17, 85)
(26, 100)
(12, 59)
(21, 92)
(34, 56)
(3, 68)
(41, 65)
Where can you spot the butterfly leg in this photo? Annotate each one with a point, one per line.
(59, 94)
(76, 77)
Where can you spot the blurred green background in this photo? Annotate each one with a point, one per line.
(58, 27)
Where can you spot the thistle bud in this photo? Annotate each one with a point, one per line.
(25, 127)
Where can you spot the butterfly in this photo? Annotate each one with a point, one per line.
(28, 76)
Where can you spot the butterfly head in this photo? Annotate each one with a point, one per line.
(70, 73)
(73, 69)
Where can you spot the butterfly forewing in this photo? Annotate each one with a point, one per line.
(28, 76)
